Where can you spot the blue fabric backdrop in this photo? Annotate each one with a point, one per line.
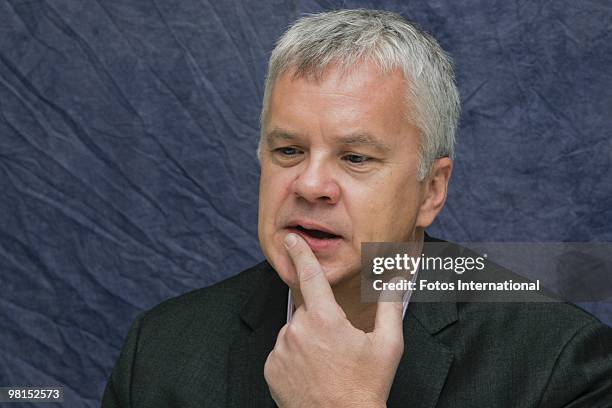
(127, 167)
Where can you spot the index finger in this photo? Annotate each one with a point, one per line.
(315, 288)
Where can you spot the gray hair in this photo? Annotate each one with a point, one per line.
(347, 37)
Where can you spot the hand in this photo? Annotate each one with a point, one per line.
(320, 359)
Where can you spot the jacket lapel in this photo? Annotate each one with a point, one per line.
(426, 361)
(423, 368)
(264, 315)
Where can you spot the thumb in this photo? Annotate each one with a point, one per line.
(389, 313)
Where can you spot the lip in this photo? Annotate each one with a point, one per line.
(310, 225)
(317, 245)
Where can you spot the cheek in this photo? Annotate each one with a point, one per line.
(364, 205)
(274, 195)
(402, 212)
(383, 211)
(273, 190)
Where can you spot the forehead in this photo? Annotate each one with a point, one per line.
(363, 81)
(358, 100)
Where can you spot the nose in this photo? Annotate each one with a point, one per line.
(316, 183)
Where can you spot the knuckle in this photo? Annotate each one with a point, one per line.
(269, 366)
(280, 338)
(292, 334)
(308, 271)
(320, 318)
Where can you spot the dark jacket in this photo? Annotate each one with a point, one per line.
(207, 349)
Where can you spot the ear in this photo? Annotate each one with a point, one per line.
(435, 190)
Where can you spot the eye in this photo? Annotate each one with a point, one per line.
(287, 151)
(355, 158)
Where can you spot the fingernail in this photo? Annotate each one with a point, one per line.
(290, 240)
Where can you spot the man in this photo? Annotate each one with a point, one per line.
(357, 138)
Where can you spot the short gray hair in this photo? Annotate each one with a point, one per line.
(347, 37)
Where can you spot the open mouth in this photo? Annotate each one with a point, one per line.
(315, 233)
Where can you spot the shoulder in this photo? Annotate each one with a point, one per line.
(534, 313)
(538, 348)
(216, 303)
(183, 344)
(535, 354)
(203, 319)
(568, 351)
(544, 322)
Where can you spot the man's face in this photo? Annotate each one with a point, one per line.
(339, 167)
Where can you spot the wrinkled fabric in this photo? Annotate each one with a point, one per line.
(128, 172)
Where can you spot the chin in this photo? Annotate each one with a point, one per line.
(338, 274)
(335, 273)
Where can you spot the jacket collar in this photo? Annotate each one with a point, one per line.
(268, 299)
(263, 314)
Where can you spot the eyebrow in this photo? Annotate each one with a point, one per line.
(353, 139)
(280, 134)
(364, 139)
